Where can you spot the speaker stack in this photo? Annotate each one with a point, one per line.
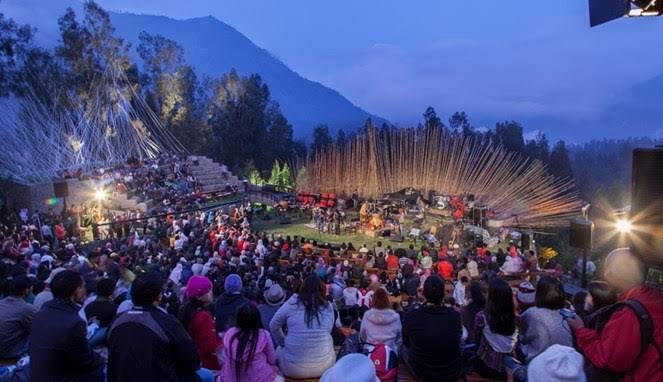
(646, 215)
(580, 235)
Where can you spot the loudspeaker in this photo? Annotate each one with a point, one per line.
(61, 189)
(646, 215)
(525, 241)
(580, 235)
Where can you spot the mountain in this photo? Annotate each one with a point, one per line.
(212, 48)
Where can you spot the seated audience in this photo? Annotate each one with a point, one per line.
(478, 292)
(197, 319)
(15, 318)
(248, 352)
(542, 325)
(227, 304)
(381, 324)
(495, 328)
(307, 350)
(59, 349)
(147, 344)
(431, 337)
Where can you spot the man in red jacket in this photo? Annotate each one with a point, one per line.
(617, 347)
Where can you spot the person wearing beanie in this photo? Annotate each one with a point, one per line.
(431, 337)
(557, 364)
(226, 305)
(525, 296)
(199, 322)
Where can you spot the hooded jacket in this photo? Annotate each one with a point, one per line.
(381, 326)
(225, 310)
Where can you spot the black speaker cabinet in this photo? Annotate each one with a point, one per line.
(646, 215)
(580, 235)
(525, 241)
(61, 190)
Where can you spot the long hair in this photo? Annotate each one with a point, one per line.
(248, 323)
(312, 296)
(188, 310)
(500, 309)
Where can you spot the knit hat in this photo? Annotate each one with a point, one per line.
(197, 269)
(353, 367)
(274, 296)
(233, 284)
(526, 293)
(557, 364)
(197, 286)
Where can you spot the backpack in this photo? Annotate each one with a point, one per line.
(352, 344)
(646, 336)
(385, 360)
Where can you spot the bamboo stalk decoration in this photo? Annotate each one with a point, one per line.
(447, 163)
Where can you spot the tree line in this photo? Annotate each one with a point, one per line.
(233, 118)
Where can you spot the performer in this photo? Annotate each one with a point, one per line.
(363, 213)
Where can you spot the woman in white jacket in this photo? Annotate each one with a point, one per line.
(381, 325)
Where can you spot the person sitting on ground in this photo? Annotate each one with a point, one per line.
(350, 294)
(148, 344)
(459, 291)
(15, 318)
(496, 330)
(248, 352)
(617, 347)
(599, 296)
(392, 261)
(46, 294)
(273, 298)
(381, 262)
(542, 325)
(348, 317)
(445, 269)
(381, 324)
(102, 309)
(227, 304)
(307, 350)
(432, 336)
(198, 321)
(59, 350)
(477, 303)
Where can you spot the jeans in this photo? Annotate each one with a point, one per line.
(205, 375)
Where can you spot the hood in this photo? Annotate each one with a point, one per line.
(381, 316)
(228, 298)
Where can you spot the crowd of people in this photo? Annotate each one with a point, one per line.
(206, 298)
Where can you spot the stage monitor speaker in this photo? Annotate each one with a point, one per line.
(525, 242)
(646, 215)
(580, 235)
(61, 189)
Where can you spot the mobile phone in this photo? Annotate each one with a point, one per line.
(567, 313)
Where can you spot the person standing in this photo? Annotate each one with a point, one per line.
(59, 349)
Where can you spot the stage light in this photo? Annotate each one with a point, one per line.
(624, 226)
(100, 194)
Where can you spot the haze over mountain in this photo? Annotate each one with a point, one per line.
(540, 65)
(212, 48)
